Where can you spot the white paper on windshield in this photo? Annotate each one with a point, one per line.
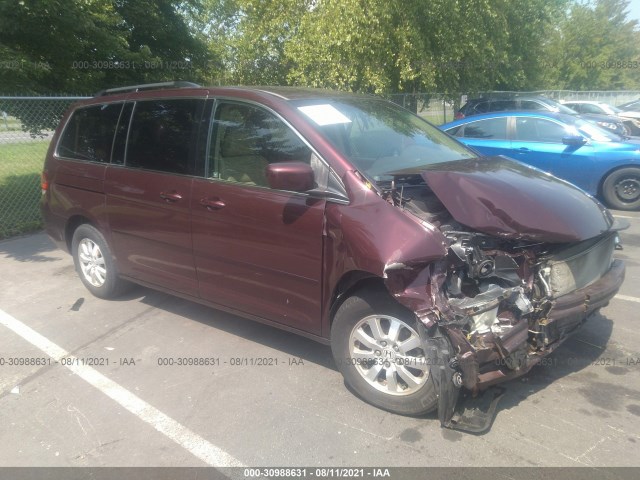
(324, 114)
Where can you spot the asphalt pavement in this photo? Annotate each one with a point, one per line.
(93, 383)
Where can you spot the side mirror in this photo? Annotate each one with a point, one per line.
(574, 140)
(292, 176)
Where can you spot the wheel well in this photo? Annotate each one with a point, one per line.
(349, 283)
(606, 174)
(73, 223)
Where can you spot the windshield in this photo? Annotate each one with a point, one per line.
(380, 138)
(594, 132)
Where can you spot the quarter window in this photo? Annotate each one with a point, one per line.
(482, 107)
(163, 135)
(89, 133)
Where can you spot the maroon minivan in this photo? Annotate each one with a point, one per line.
(433, 272)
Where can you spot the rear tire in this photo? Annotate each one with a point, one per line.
(94, 263)
(379, 353)
(621, 189)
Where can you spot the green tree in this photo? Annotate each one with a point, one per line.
(256, 54)
(594, 47)
(67, 46)
(214, 23)
(382, 46)
(359, 45)
(415, 45)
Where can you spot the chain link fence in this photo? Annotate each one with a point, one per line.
(26, 127)
(433, 107)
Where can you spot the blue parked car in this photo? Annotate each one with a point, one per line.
(600, 162)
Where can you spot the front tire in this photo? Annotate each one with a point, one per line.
(378, 351)
(94, 263)
(621, 189)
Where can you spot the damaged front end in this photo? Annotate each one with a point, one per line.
(498, 303)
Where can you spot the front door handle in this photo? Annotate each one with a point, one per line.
(523, 150)
(171, 196)
(212, 203)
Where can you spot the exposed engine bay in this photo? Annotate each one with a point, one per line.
(495, 305)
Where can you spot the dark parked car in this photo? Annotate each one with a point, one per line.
(479, 106)
(568, 147)
(431, 271)
(589, 109)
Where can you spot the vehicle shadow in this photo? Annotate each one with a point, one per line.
(28, 248)
(272, 337)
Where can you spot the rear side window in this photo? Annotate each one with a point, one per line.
(502, 105)
(163, 135)
(89, 133)
(493, 128)
(530, 105)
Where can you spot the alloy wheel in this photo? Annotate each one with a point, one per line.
(92, 262)
(388, 354)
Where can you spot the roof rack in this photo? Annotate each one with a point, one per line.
(147, 86)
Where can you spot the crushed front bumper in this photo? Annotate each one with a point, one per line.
(565, 316)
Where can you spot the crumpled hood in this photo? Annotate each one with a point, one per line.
(505, 198)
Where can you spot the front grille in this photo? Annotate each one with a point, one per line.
(579, 265)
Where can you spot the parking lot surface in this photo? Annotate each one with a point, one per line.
(248, 394)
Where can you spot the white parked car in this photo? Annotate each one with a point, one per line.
(631, 119)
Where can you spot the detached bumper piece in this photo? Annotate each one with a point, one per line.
(475, 414)
(456, 410)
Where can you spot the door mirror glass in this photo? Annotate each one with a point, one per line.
(291, 176)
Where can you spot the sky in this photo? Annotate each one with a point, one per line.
(634, 10)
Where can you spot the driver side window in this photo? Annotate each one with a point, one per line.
(530, 129)
(246, 140)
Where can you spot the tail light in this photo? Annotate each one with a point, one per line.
(458, 115)
(44, 182)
